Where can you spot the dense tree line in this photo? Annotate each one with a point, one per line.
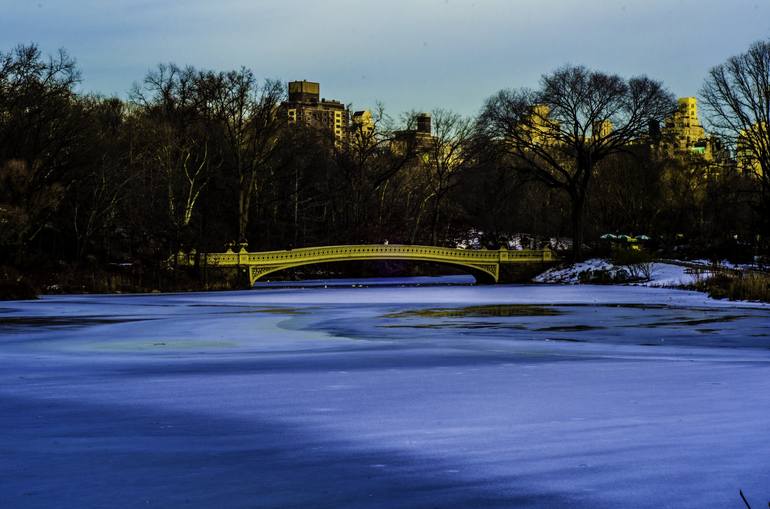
(196, 159)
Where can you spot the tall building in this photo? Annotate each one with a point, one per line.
(424, 121)
(748, 146)
(540, 127)
(684, 131)
(362, 123)
(601, 129)
(420, 138)
(306, 107)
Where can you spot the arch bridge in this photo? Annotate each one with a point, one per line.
(483, 264)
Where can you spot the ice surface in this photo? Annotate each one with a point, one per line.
(536, 396)
(461, 279)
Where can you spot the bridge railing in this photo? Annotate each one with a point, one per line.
(370, 251)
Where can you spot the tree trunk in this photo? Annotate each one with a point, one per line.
(244, 205)
(434, 222)
(243, 214)
(578, 211)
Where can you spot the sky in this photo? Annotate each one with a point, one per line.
(406, 54)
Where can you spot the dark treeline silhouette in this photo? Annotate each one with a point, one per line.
(194, 159)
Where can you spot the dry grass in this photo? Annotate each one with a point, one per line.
(753, 286)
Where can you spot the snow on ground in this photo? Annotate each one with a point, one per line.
(536, 396)
(571, 273)
(671, 276)
(668, 275)
(729, 265)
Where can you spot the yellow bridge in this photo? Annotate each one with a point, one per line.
(484, 265)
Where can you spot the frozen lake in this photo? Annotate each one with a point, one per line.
(386, 396)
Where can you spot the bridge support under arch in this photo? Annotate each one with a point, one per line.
(486, 275)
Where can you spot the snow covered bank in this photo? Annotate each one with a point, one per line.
(666, 275)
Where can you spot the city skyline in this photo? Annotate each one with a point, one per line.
(420, 56)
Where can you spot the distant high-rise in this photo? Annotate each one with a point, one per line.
(601, 129)
(304, 91)
(419, 137)
(424, 123)
(363, 124)
(684, 131)
(748, 150)
(306, 107)
(540, 127)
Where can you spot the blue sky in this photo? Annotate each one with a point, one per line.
(418, 54)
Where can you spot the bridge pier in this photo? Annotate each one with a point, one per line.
(522, 272)
(484, 278)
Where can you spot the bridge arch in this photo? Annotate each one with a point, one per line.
(482, 275)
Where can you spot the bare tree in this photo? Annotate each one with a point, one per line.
(737, 98)
(171, 100)
(576, 119)
(248, 112)
(446, 156)
(367, 166)
(41, 141)
(102, 184)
